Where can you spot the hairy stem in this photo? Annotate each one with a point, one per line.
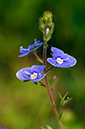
(48, 88)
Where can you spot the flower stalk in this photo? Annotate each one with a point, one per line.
(38, 57)
(48, 88)
(49, 68)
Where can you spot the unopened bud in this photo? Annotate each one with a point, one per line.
(54, 78)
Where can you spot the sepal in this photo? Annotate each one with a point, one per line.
(64, 100)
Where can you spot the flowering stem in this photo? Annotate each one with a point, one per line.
(42, 83)
(38, 57)
(49, 68)
(48, 88)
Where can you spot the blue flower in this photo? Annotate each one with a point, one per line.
(30, 48)
(2, 128)
(34, 73)
(61, 59)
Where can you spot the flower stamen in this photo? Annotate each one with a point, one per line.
(33, 76)
(59, 60)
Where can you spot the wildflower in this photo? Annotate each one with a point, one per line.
(2, 128)
(34, 73)
(61, 59)
(30, 48)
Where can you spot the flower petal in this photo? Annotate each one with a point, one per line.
(37, 46)
(30, 48)
(37, 68)
(71, 61)
(24, 54)
(39, 78)
(57, 52)
(52, 61)
(24, 74)
(23, 50)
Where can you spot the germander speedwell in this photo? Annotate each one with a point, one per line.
(61, 59)
(35, 73)
(30, 48)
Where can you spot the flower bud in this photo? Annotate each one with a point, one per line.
(41, 23)
(47, 15)
(49, 21)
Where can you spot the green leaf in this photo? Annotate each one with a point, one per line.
(46, 45)
(60, 95)
(43, 85)
(64, 100)
(64, 97)
(67, 100)
(60, 115)
(48, 127)
(50, 81)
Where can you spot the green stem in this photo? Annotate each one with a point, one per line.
(48, 88)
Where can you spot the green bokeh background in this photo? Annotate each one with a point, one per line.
(26, 105)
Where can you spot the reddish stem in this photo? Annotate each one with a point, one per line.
(38, 57)
(48, 88)
(49, 69)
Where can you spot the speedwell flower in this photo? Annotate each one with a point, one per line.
(35, 73)
(61, 59)
(2, 128)
(30, 48)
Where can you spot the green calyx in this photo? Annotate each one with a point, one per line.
(46, 25)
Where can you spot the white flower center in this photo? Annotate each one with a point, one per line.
(33, 76)
(59, 60)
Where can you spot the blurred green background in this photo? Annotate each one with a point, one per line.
(26, 105)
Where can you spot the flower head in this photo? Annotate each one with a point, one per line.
(61, 59)
(34, 73)
(30, 48)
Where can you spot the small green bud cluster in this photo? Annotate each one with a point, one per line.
(46, 25)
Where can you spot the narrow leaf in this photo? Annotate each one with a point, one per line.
(60, 95)
(60, 115)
